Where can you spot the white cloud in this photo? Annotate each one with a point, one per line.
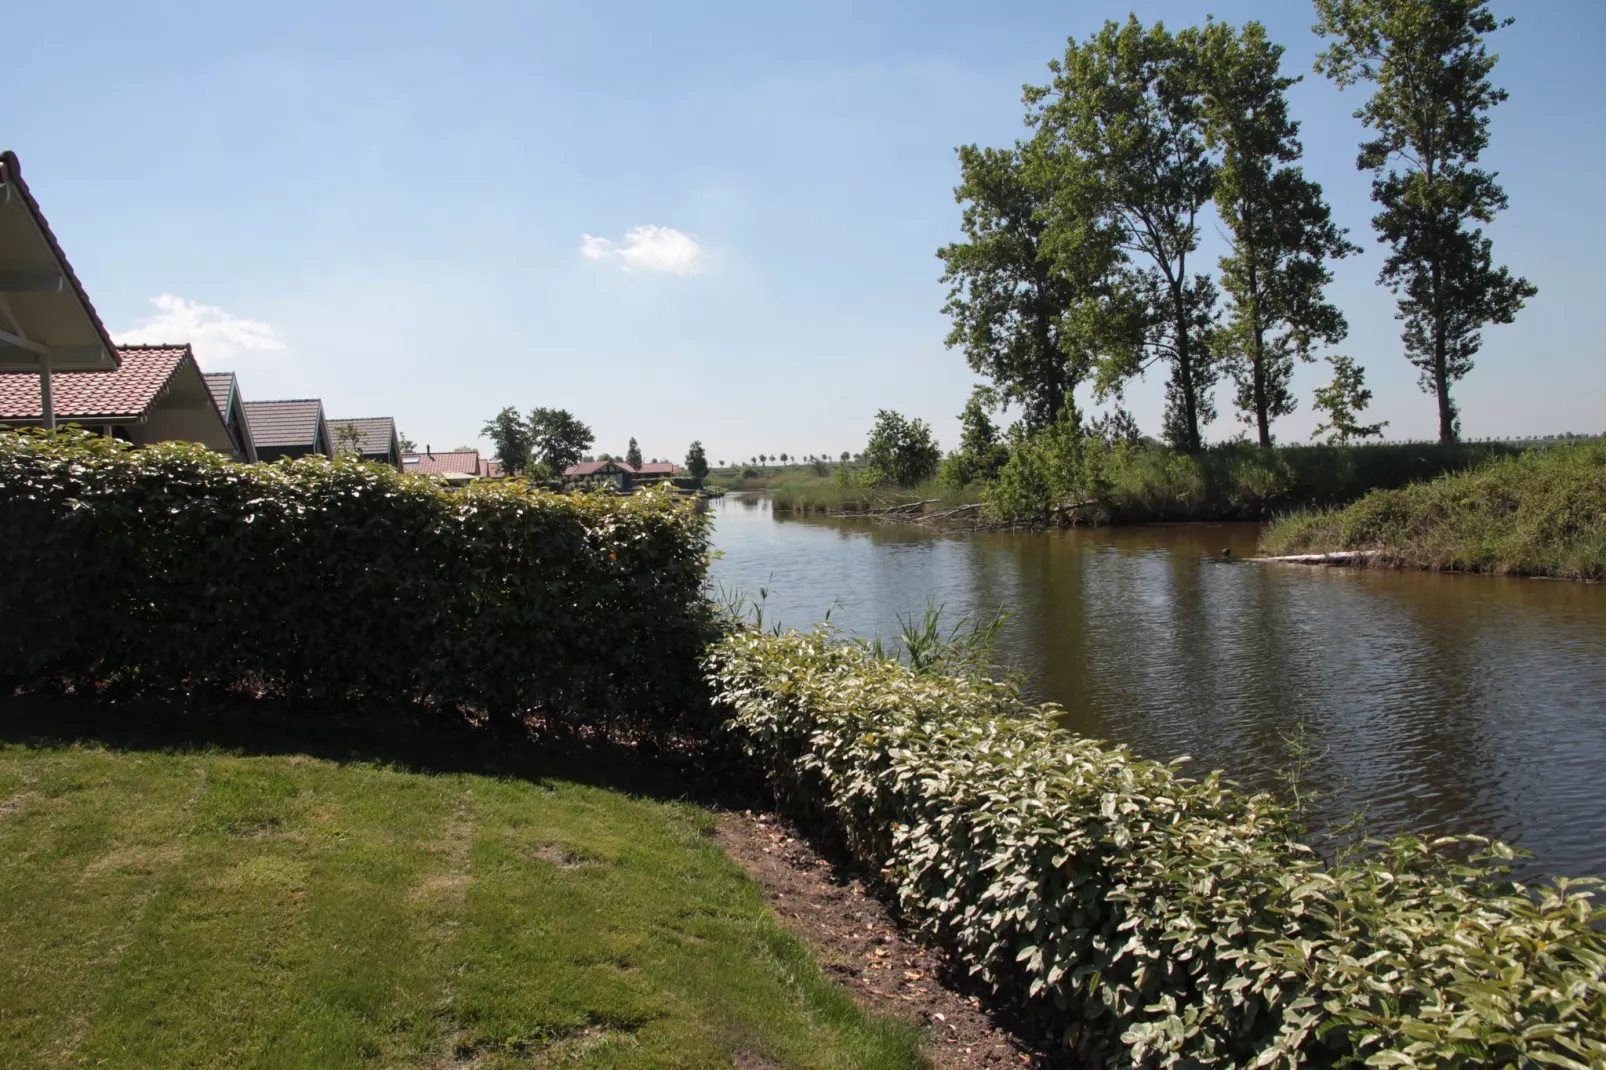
(649, 248)
(219, 337)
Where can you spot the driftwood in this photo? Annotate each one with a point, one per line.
(1340, 557)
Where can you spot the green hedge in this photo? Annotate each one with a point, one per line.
(173, 567)
(1158, 920)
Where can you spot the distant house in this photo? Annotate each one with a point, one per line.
(156, 394)
(624, 475)
(377, 439)
(288, 428)
(656, 470)
(226, 395)
(456, 465)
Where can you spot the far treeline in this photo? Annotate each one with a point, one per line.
(546, 443)
(1080, 260)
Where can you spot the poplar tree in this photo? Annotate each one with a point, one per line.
(633, 454)
(1430, 111)
(1120, 129)
(1279, 227)
(1007, 298)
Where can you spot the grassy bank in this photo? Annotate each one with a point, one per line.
(1539, 514)
(319, 901)
(1134, 483)
(806, 493)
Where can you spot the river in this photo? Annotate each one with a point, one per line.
(1439, 703)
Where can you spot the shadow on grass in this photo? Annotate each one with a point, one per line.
(414, 743)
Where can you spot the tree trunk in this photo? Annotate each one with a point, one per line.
(1190, 407)
(1441, 375)
(1257, 356)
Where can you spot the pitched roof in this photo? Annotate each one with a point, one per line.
(377, 432)
(657, 468)
(284, 423)
(222, 385)
(464, 462)
(591, 468)
(11, 179)
(127, 393)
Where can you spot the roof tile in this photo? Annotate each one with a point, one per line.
(122, 394)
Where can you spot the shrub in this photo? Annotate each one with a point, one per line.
(173, 567)
(1154, 919)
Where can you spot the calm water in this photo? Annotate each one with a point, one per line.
(1447, 703)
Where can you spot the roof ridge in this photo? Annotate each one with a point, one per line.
(287, 401)
(156, 345)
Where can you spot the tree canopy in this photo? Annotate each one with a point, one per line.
(1430, 103)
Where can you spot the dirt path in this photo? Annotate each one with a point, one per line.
(857, 939)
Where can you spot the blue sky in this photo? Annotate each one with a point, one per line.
(427, 210)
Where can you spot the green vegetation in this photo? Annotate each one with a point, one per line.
(1540, 514)
(171, 567)
(1152, 919)
(808, 493)
(901, 452)
(696, 462)
(1078, 263)
(543, 445)
(1430, 111)
(302, 897)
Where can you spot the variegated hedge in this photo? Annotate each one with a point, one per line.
(1159, 920)
(173, 567)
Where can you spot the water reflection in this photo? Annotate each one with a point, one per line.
(1446, 703)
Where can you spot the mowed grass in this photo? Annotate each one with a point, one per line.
(168, 903)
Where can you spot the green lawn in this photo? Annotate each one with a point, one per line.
(284, 902)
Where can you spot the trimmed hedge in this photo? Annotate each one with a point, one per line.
(1154, 919)
(173, 567)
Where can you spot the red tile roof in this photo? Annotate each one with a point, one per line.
(591, 468)
(657, 468)
(463, 462)
(11, 175)
(126, 393)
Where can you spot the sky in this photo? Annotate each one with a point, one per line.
(692, 220)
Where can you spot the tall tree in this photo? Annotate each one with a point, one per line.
(1008, 298)
(1430, 112)
(510, 435)
(1280, 229)
(557, 439)
(633, 454)
(697, 461)
(1120, 130)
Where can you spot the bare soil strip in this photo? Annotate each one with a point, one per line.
(858, 941)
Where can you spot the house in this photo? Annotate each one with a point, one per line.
(376, 438)
(457, 465)
(288, 428)
(155, 394)
(623, 474)
(657, 470)
(47, 324)
(225, 389)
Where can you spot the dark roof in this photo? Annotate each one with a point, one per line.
(466, 462)
(284, 423)
(11, 175)
(378, 432)
(126, 393)
(222, 386)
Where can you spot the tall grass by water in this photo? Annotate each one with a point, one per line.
(807, 493)
(1542, 513)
